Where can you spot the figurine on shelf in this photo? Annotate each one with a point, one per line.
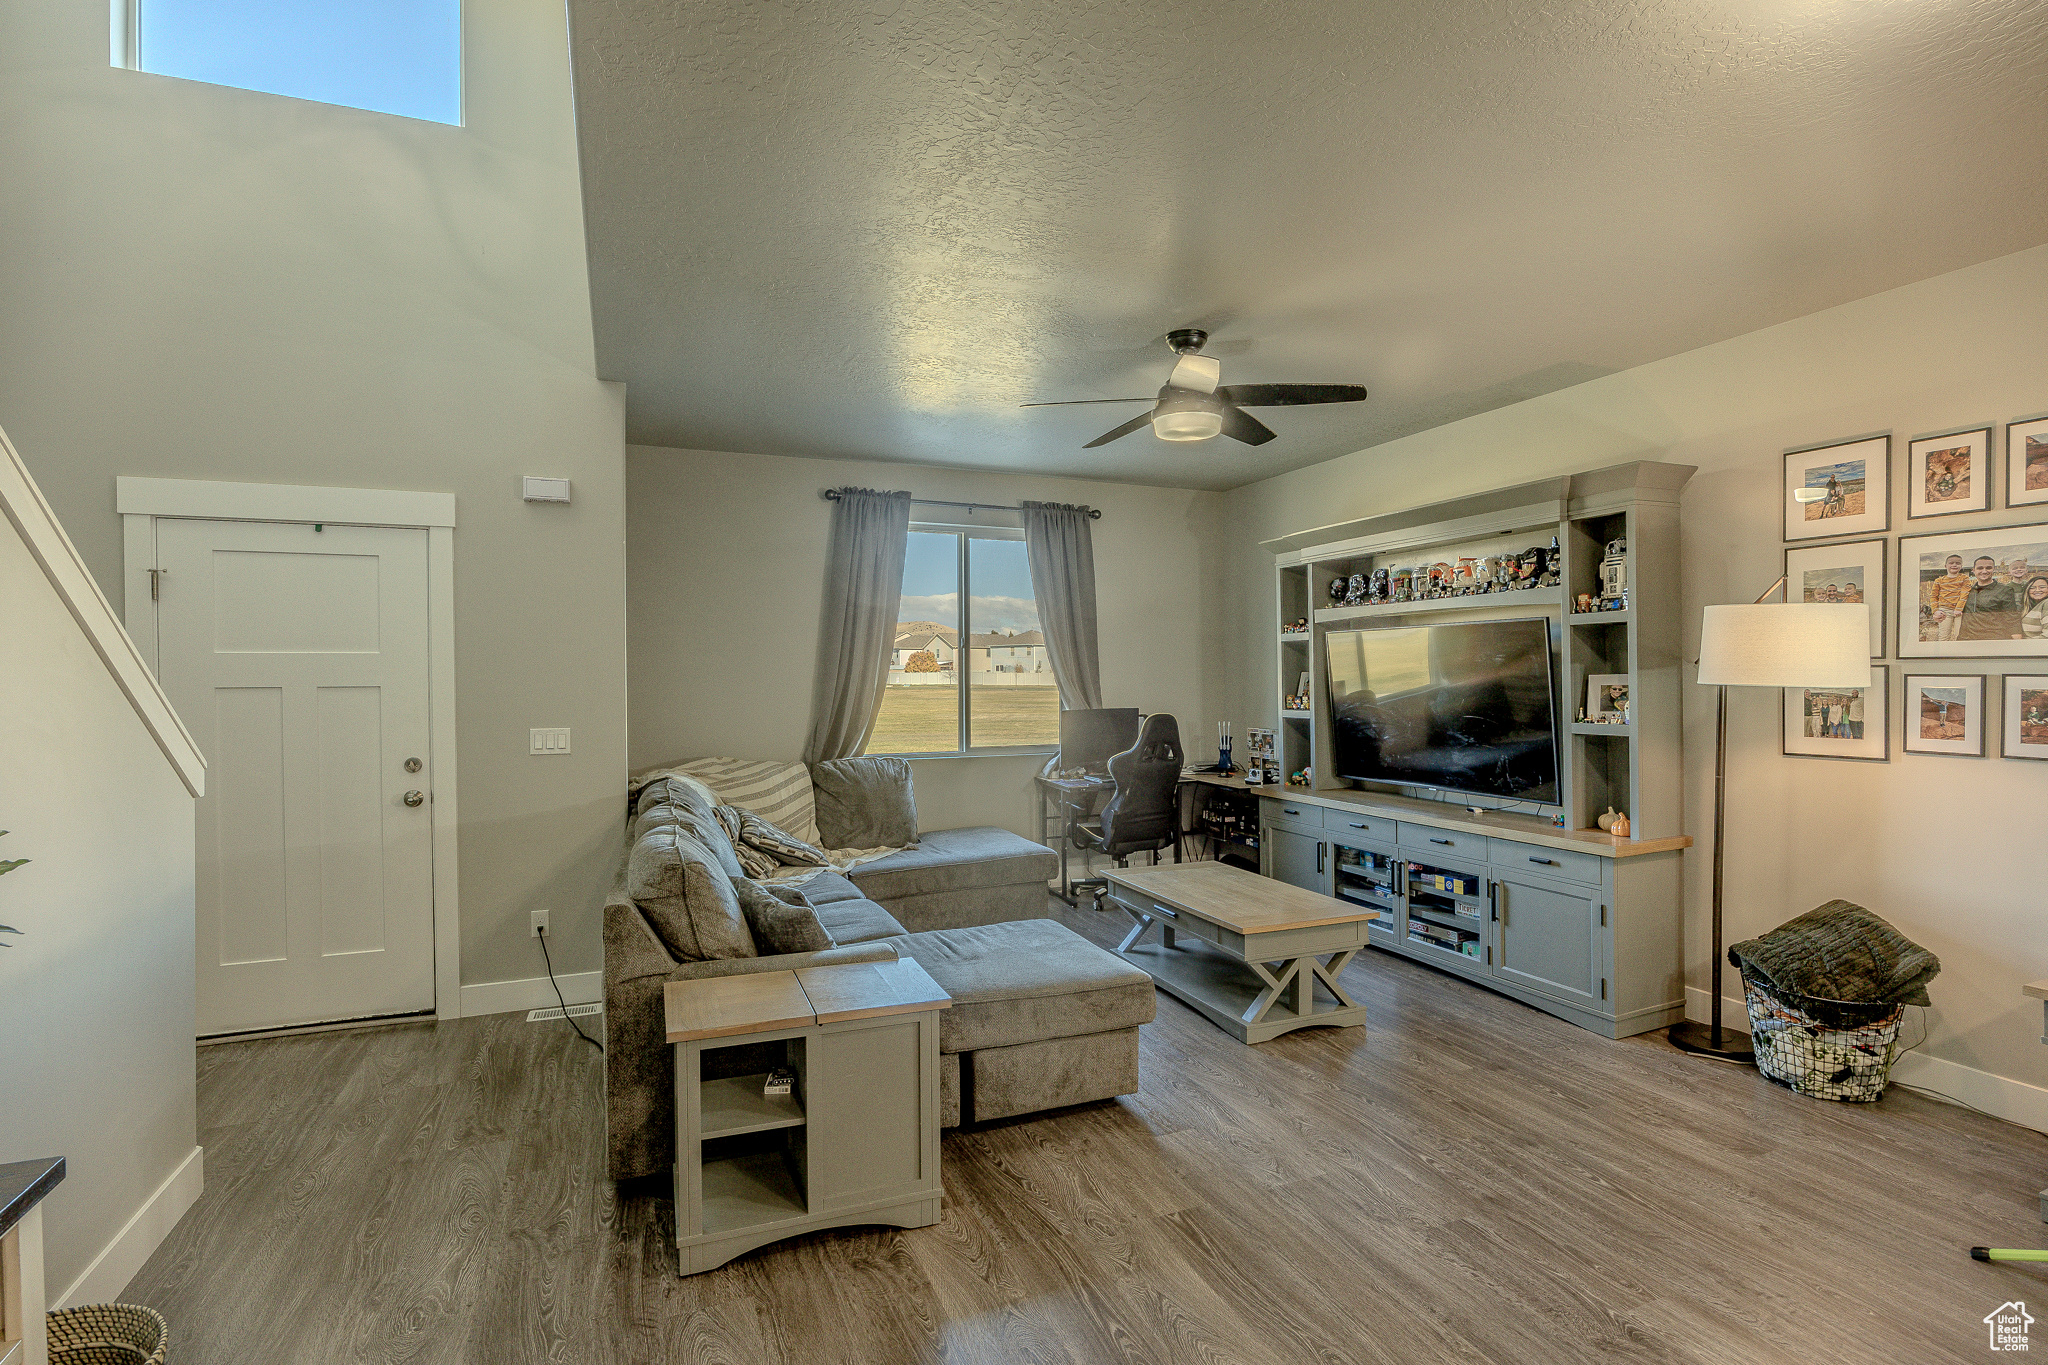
(1529, 567)
(1553, 565)
(1619, 829)
(1404, 582)
(1355, 593)
(1583, 603)
(1485, 573)
(1299, 626)
(1299, 779)
(1607, 819)
(1379, 586)
(1337, 586)
(1614, 574)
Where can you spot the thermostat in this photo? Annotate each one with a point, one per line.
(545, 490)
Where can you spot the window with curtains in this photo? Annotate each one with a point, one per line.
(968, 672)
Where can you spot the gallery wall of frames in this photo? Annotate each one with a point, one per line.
(1945, 595)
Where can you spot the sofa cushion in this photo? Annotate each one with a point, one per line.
(1026, 981)
(671, 802)
(686, 896)
(857, 921)
(864, 803)
(778, 924)
(956, 860)
(778, 792)
(822, 889)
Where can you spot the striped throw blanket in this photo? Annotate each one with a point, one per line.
(779, 794)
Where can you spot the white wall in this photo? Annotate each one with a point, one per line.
(96, 995)
(201, 282)
(1945, 848)
(726, 568)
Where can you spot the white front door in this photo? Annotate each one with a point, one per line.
(298, 658)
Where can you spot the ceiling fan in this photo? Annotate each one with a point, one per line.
(1192, 406)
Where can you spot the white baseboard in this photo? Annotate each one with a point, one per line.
(531, 993)
(2015, 1101)
(107, 1277)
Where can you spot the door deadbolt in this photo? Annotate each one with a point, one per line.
(415, 798)
(413, 765)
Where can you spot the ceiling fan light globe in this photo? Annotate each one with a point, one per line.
(1187, 425)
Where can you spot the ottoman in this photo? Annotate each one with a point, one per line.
(1041, 1018)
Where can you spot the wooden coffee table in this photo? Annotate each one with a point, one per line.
(1233, 943)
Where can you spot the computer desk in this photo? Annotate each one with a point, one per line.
(1055, 793)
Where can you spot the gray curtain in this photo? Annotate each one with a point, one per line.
(1061, 548)
(863, 588)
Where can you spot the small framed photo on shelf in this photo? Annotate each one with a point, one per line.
(1945, 714)
(1847, 571)
(2026, 462)
(1839, 490)
(1974, 594)
(2026, 715)
(1948, 474)
(1840, 722)
(1607, 698)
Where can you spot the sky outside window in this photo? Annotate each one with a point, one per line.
(390, 56)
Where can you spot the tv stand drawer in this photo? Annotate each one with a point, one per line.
(1535, 860)
(1430, 839)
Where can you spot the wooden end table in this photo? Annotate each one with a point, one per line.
(1221, 926)
(857, 1138)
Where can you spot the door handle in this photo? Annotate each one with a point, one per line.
(1320, 847)
(413, 765)
(415, 798)
(1493, 901)
(1445, 842)
(1289, 810)
(1547, 862)
(1358, 824)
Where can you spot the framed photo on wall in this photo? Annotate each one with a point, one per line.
(1840, 722)
(1945, 714)
(2026, 715)
(1974, 594)
(1948, 474)
(2026, 462)
(1850, 487)
(1847, 571)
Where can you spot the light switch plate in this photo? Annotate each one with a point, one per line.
(552, 740)
(544, 490)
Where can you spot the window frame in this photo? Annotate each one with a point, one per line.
(963, 653)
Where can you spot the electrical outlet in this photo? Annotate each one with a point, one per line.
(537, 923)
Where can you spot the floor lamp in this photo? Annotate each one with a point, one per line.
(1765, 644)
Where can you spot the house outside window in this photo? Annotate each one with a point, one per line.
(968, 672)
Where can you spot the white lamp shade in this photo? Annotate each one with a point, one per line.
(1188, 424)
(1786, 644)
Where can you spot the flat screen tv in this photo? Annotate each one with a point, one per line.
(1464, 707)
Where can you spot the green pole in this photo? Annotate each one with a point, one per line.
(2006, 1254)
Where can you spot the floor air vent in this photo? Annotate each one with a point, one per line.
(556, 1012)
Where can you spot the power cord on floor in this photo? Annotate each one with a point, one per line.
(1944, 1095)
(543, 936)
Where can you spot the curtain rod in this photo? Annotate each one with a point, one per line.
(832, 495)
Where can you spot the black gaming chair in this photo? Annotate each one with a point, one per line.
(1144, 814)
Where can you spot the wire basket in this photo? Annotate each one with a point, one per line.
(107, 1334)
(1842, 1051)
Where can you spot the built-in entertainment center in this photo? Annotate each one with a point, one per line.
(1452, 784)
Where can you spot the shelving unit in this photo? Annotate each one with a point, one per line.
(1566, 919)
(1632, 767)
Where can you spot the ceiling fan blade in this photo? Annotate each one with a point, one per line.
(1196, 373)
(1076, 402)
(1115, 433)
(1240, 425)
(1289, 395)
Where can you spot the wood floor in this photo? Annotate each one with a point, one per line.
(1464, 1180)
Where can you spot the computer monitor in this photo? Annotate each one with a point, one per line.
(1089, 738)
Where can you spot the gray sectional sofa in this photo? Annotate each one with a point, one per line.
(1040, 1016)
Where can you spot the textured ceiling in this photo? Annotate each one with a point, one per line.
(871, 229)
